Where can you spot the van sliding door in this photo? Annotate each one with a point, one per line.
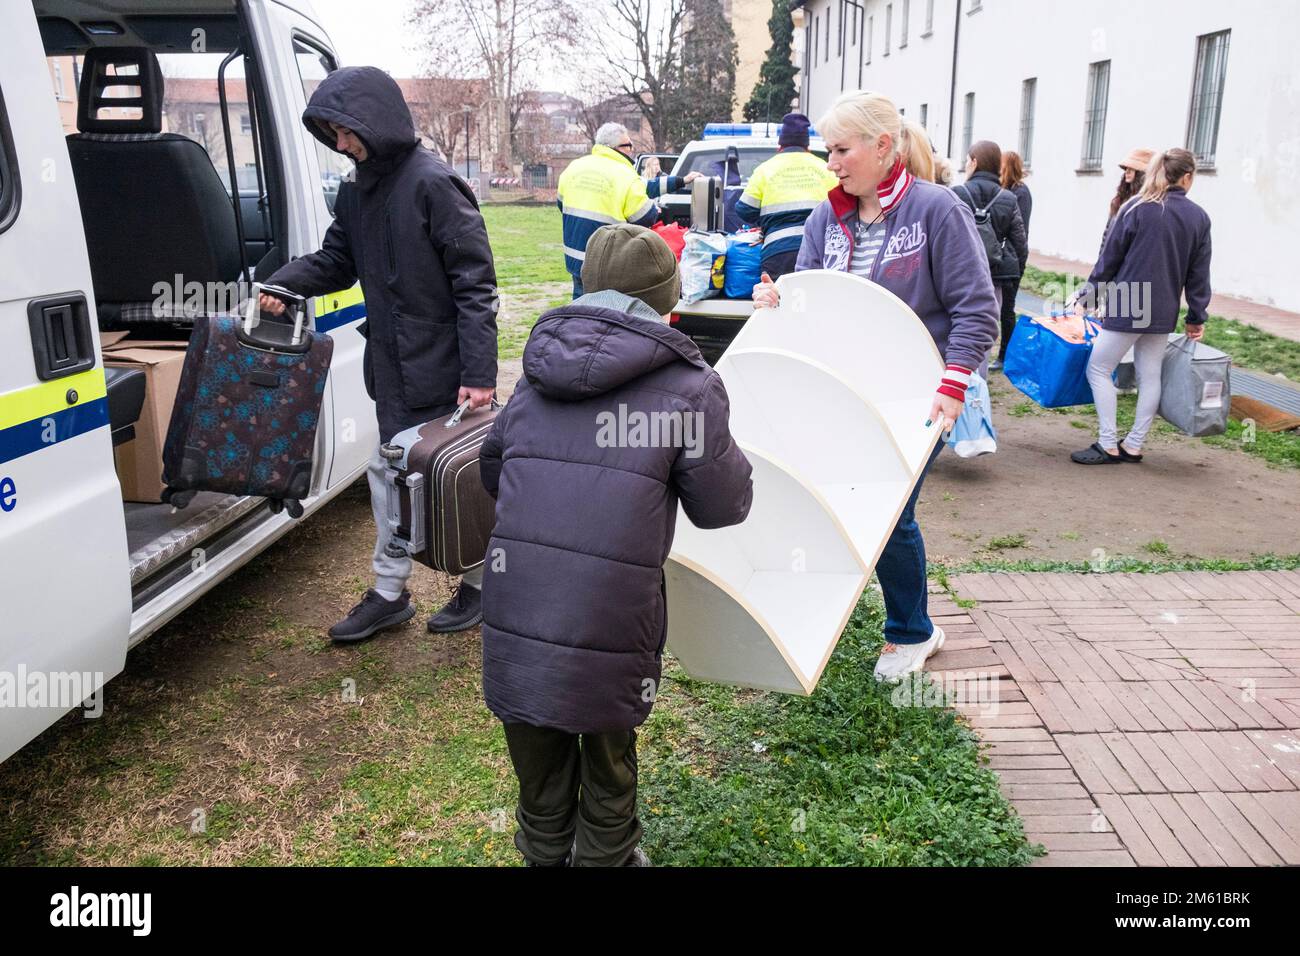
(65, 590)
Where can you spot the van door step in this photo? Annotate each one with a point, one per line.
(157, 534)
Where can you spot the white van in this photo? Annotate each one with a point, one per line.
(85, 575)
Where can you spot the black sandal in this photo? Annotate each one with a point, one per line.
(1127, 455)
(1094, 454)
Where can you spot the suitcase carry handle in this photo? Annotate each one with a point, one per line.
(464, 407)
(455, 419)
(294, 302)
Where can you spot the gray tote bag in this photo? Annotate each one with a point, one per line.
(1195, 392)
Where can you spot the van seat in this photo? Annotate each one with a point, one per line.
(152, 204)
(125, 401)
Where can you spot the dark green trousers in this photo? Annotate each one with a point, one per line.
(576, 793)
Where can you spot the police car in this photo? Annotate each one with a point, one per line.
(85, 574)
(755, 142)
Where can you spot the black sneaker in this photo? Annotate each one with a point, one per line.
(463, 611)
(372, 615)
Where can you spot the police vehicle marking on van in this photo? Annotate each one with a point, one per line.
(38, 417)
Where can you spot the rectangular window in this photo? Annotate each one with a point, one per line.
(929, 18)
(1207, 97)
(1094, 119)
(826, 53)
(968, 126)
(839, 35)
(9, 190)
(314, 64)
(889, 25)
(1028, 92)
(871, 29)
(925, 115)
(58, 81)
(853, 28)
(817, 38)
(245, 124)
(907, 14)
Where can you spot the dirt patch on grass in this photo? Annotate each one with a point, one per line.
(520, 308)
(1030, 502)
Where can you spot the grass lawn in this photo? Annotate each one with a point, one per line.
(844, 777)
(529, 253)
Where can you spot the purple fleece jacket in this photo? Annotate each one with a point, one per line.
(933, 260)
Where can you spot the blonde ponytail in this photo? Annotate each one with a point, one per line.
(1165, 171)
(917, 151)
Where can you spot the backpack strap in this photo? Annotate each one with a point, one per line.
(970, 201)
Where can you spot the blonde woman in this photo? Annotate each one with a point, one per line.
(918, 240)
(1157, 250)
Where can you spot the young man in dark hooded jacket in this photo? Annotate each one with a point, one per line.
(410, 230)
(574, 617)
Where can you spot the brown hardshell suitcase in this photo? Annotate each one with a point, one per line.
(438, 510)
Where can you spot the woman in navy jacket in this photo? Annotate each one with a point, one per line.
(1158, 249)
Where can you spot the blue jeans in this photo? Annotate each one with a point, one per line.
(901, 572)
(577, 286)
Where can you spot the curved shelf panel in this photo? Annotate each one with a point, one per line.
(782, 582)
(864, 333)
(828, 401)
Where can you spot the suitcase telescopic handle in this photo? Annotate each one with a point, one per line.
(294, 302)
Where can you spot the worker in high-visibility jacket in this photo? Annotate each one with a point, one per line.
(783, 192)
(599, 189)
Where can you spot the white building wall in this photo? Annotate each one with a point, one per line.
(1252, 194)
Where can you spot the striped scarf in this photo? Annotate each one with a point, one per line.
(894, 187)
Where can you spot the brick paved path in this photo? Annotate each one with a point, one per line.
(1142, 719)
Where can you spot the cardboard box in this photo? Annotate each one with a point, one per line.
(139, 461)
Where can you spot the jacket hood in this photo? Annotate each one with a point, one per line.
(367, 101)
(579, 351)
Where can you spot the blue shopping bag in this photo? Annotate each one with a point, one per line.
(973, 433)
(744, 266)
(1047, 368)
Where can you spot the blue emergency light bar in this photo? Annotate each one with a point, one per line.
(753, 130)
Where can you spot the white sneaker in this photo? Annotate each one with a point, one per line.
(906, 659)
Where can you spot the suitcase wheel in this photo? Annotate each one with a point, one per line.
(275, 505)
(294, 507)
(178, 498)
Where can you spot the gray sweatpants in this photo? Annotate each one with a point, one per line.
(392, 573)
(1108, 350)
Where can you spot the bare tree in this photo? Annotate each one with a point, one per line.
(438, 106)
(507, 42)
(597, 90)
(642, 40)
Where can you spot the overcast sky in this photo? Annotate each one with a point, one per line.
(370, 33)
(375, 33)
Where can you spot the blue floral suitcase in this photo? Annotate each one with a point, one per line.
(246, 411)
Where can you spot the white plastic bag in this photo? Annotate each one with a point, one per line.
(973, 434)
(703, 259)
